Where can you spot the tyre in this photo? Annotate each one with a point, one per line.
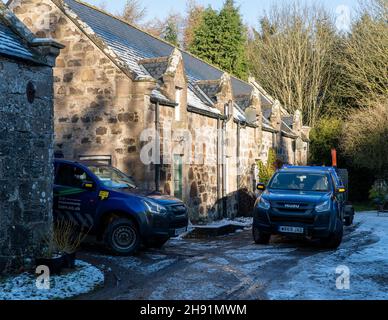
(122, 237)
(335, 239)
(260, 237)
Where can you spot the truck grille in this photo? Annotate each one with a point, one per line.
(292, 207)
(297, 219)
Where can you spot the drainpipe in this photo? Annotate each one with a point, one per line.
(157, 142)
(238, 154)
(225, 120)
(218, 159)
(224, 173)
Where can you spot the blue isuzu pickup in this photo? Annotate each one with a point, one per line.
(305, 202)
(102, 199)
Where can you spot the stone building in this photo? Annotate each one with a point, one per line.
(122, 93)
(26, 144)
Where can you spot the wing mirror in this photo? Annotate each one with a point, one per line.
(261, 187)
(341, 190)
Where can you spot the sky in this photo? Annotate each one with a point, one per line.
(250, 9)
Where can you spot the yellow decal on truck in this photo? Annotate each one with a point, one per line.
(104, 195)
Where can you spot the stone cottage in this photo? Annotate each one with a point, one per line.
(27, 141)
(172, 121)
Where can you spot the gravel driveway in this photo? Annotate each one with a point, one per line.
(233, 267)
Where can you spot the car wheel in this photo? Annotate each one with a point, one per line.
(122, 237)
(335, 239)
(260, 237)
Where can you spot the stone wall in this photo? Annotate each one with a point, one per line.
(287, 150)
(26, 161)
(267, 144)
(99, 110)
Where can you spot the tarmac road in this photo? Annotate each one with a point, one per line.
(233, 267)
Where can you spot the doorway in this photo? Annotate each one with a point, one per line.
(178, 176)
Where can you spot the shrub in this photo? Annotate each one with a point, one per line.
(266, 171)
(324, 137)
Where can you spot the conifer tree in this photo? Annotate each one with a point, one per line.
(221, 38)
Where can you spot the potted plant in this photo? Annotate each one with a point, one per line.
(50, 256)
(68, 238)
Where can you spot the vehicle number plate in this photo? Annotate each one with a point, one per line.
(291, 230)
(178, 232)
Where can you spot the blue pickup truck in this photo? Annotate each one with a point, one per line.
(305, 202)
(100, 198)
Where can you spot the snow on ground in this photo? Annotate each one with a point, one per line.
(366, 256)
(245, 222)
(240, 221)
(84, 279)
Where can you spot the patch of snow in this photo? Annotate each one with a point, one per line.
(315, 276)
(241, 221)
(23, 287)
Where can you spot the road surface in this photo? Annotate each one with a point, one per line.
(233, 267)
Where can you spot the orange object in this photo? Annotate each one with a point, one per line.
(334, 157)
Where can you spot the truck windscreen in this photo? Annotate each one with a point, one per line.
(301, 182)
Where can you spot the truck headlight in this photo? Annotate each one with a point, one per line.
(324, 206)
(154, 208)
(263, 204)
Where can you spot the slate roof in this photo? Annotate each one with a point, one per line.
(133, 46)
(287, 131)
(289, 120)
(11, 45)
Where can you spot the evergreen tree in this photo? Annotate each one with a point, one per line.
(221, 38)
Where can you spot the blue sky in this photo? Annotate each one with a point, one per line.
(251, 9)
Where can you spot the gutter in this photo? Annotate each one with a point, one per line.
(269, 129)
(288, 135)
(246, 124)
(205, 113)
(163, 102)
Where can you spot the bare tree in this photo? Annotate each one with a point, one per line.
(365, 137)
(292, 57)
(167, 28)
(363, 60)
(194, 13)
(103, 5)
(133, 12)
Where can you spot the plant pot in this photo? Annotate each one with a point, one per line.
(55, 264)
(69, 260)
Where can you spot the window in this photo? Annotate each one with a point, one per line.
(71, 176)
(112, 178)
(178, 96)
